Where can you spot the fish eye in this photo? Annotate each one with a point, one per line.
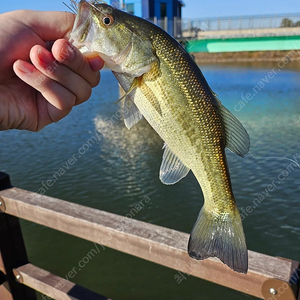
(108, 20)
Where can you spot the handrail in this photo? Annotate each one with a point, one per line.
(52, 285)
(151, 242)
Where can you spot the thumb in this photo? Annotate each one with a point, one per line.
(49, 25)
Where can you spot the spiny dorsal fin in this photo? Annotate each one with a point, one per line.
(171, 169)
(237, 138)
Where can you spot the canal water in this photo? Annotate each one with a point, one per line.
(91, 158)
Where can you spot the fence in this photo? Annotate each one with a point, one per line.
(267, 278)
(191, 27)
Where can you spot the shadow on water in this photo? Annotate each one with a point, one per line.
(113, 169)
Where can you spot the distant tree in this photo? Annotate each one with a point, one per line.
(297, 24)
(285, 22)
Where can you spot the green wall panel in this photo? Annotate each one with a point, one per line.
(244, 44)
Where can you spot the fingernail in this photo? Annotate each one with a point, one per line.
(25, 67)
(45, 57)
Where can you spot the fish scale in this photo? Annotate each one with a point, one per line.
(163, 84)
(209, 123)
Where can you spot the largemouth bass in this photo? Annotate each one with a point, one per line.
(163, 84)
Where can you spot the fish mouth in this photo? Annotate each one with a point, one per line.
(81, 26)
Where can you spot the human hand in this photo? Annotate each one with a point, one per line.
(38, 87)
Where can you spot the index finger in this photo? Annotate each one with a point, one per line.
(70, 56)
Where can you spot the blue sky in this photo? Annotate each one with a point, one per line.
(224, 8)
(192, 9)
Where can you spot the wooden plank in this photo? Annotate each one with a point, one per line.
(53, 286)
(151, 242)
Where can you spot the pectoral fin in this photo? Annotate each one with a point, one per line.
(131, 113)
(135, 83)
(171, 169)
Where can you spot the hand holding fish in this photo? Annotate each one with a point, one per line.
(38, 87)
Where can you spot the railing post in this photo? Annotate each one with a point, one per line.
(175, 27)
(13, 252)
(166, 23)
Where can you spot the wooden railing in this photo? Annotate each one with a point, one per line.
(267, 278)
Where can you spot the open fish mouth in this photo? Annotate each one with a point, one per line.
(84, 30)
(82, 24)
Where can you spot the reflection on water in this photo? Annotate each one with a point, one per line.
(123, 152)
(114, 168)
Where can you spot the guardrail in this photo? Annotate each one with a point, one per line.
(267, 278)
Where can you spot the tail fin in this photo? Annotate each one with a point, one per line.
(219, 236)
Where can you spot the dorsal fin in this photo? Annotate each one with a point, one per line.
(237, 138)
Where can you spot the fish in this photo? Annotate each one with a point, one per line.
(164, 85)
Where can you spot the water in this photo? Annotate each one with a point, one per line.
(116, 170)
